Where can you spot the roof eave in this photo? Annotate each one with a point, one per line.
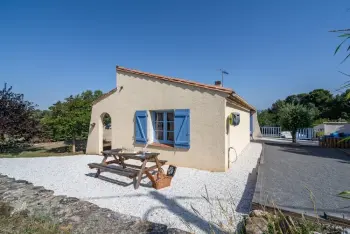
(175, 80)
(104, 96)
(234, 97)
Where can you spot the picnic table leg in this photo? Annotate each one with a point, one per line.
(116, 160)
(105, 157)
(139, 176)
(121, 159)
(159, 166)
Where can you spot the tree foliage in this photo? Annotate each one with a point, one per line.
(106, 120)
(344, 34)
(69, 119)
(17, 116)
(266, 118)
(294, 116)
(321, 103)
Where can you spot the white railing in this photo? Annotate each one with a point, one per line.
(302, 134)
(270, 131)
(306, 134)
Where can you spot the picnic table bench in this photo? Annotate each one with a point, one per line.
(160, 180)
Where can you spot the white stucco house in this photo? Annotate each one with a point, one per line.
(331, 127)
(185, 121)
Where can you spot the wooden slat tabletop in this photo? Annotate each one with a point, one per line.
(138, 156)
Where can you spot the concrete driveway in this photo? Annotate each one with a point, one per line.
(304, 179)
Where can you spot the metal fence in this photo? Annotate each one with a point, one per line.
(302, 134)
(306, 134)
(270, 131)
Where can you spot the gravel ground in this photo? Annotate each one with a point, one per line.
(182, 205)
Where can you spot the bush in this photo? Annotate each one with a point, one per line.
(319, 134)
(13, 146)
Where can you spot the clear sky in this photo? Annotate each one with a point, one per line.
(51, 49)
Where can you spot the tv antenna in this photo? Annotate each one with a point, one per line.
(223, 72)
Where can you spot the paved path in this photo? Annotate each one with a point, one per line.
(289, 174)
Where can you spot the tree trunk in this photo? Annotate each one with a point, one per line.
(73, 145)
(2, 137)
(294, 136)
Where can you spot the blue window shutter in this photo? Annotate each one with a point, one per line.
(141, 127)
(182, 128)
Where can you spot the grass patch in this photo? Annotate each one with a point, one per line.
(41, 153)
(23, 224)
(28, 225)
(278, 223)
(40, 150)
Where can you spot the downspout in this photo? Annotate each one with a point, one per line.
(229, 162)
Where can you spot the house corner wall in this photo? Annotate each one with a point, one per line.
(95, 137)
(94, 144)
(236, 137)
(256, 126)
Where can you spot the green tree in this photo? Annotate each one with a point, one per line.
(266, 118)
(322, 100)
(322, 103)
(69, 120)
(292, 99)
(293, 117)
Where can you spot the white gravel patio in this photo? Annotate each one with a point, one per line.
(182, 205)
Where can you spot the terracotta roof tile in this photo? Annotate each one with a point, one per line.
(176, 80)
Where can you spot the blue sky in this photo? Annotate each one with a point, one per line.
(51, 49)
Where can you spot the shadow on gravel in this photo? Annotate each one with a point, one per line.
(117, 182)
(344, 162)
(188, 217)
(245, 202)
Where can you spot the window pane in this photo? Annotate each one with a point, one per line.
(159, 135)
(170, 116)
(159, 125)
(159, 116)
(170, 126)
(170, 136)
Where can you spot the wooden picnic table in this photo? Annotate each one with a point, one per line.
(129, 170)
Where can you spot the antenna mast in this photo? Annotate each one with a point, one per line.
(223, 72)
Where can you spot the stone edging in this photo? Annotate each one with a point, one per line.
(71, 213)
(258, 187)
